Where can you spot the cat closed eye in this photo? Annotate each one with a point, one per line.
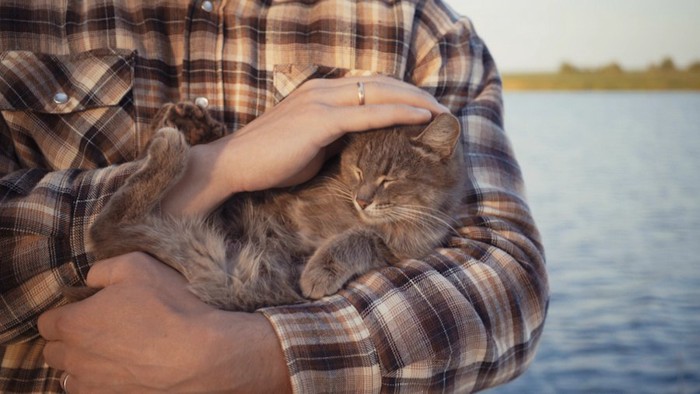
(359, 174)
(386, 181)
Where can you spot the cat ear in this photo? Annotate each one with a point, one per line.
(441, 135)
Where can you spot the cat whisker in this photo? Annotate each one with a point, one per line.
(429, 210)
(340, 191)
(343, 195)
(339, 187)
(335, 182)
(413, 218)
(421, 216)
(425, 208)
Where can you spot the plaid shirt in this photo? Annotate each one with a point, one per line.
(79, 83)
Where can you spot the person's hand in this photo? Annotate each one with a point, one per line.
(288, 144)
(145, 332)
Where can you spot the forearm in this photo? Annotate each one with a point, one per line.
(451, 322)
(204, 184)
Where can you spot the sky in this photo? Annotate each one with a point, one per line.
(539, 35)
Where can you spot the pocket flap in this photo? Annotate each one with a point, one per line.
(62, 84)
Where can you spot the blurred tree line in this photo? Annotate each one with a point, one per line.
(666, 65)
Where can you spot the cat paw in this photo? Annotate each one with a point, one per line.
(192, 120)
(322, 276)
(167, 143)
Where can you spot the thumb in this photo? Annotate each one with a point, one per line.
(101, 274)
(117, 269)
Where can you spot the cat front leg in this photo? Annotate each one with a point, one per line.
(164, 164)
(342, 258)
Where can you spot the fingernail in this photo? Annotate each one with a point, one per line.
(422, 110)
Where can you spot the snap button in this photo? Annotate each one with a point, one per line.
(201, 102)
(207, 6)
(60, 98)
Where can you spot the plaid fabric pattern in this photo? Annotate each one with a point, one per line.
(80, 81)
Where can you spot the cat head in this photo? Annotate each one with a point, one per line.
(401, 173)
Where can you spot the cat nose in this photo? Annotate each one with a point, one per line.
(362, 202)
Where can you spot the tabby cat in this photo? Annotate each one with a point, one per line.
(388, 196)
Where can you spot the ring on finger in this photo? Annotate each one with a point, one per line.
(64, 381)
(361, 92)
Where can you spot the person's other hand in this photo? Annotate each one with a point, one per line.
(145, 332)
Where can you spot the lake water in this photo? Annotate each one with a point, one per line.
(614, 183)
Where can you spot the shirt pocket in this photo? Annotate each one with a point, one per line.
(73, 111)
(288, 77)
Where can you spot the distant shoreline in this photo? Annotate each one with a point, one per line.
(627, 80)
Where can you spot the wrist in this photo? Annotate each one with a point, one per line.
(247, 353)
(202, 187)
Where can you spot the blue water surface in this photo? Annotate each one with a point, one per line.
(614, 183)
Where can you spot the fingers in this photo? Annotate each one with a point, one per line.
(387, 102)
(130, 266)
(55, 354)
(378, 90)
(55, 323)
(388, 91)
(52, 323)
(82, 371)
(352, 119)
(101, 274)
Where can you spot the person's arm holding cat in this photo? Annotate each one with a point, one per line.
(137, 276)
(464, 318)
(467, 317)
(211, 182)
(269, 153)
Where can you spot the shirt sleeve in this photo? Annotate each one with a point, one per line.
(470, 315)
(43, 220)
